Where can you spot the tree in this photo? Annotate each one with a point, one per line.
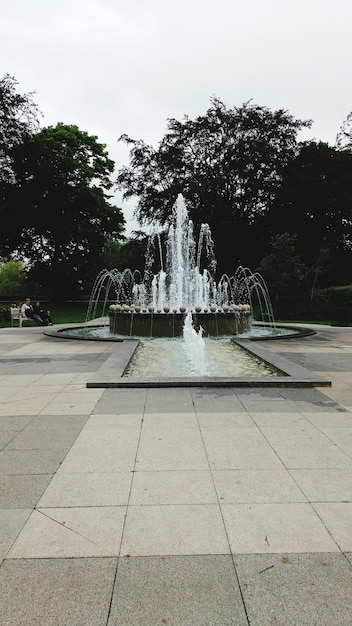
(282, 269)
(110, 254)
(57, 212)
(134, 252)
(18, 120)
(228, 164)
(344, 136)
(315, 204)
(12, 278)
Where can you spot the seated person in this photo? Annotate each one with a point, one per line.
(42, 313)
(27, 313)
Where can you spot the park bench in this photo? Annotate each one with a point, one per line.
(18, 320)
(16, 317)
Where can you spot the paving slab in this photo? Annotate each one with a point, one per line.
(49, 432)
(242, 452)
(126, 401)
(179, 399)
(244, 486)
(26, 406)
(221, 505)
(170, 449)
(70, 532)
(87, 489)
(276, 527)
(313, 456)
(173, 487)
(337, 517)
(226, 420)
(53, 592)
(324, 485)
(174, 530)
(296, 589)
(27, 462)
(11, 524)
(22, 491)
(72, 402)
(184, 590)
(121, 459)
(219, 400)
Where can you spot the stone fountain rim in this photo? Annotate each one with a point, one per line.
(59, 333)
(110, 374)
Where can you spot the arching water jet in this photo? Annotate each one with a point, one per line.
(186, 282)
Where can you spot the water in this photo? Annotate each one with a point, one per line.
(194, 347)
(177, 357)
(180, 275)
(103, 333)
(161, 357)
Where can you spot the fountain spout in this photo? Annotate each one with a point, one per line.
(194, 346)
(186, 281)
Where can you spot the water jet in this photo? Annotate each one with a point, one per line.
(184, 302)
(156, 304)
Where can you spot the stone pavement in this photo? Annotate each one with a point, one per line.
(181, 506)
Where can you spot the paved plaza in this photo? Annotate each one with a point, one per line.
(178, 506)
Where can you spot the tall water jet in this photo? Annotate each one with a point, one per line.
(194, 346)
(186, 282)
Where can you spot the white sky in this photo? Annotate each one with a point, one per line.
(126, 66)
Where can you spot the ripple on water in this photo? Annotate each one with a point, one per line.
(167, 358)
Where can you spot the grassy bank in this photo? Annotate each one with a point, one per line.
(76, 312)
(61, 313)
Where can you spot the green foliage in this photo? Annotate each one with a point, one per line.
(314, 203)
(228, 164)
(110, 254)
(62, 312)
(5, 316)
(133, 253)
(58, 213)
(18, 120)
(340, 296)
(282, 269)
(12, 278)
(344, 136)
(240, 169)
(299, 305)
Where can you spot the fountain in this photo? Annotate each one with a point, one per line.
(185, 286)
(194, 346)
(183, 300)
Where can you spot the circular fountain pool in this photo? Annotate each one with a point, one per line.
(102, 333)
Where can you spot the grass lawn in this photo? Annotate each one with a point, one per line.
(75, 312)
(61, 313)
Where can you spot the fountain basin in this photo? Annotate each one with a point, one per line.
(101, 332)
(213, 358)
(111, 372)
(133, 324)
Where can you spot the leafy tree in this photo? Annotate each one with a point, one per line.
(12, 278)
(133, 252)
(344, 136)
(18, 120)
(228, 164)
(57, 214)
(282, 269)
(110, 254)
(315, 203)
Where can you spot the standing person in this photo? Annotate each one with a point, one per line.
(27, 313)
(42, 313)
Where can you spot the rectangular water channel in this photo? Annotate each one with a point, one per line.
(164, 357)
(287, 373)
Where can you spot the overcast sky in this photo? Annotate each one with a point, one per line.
(126, 66)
